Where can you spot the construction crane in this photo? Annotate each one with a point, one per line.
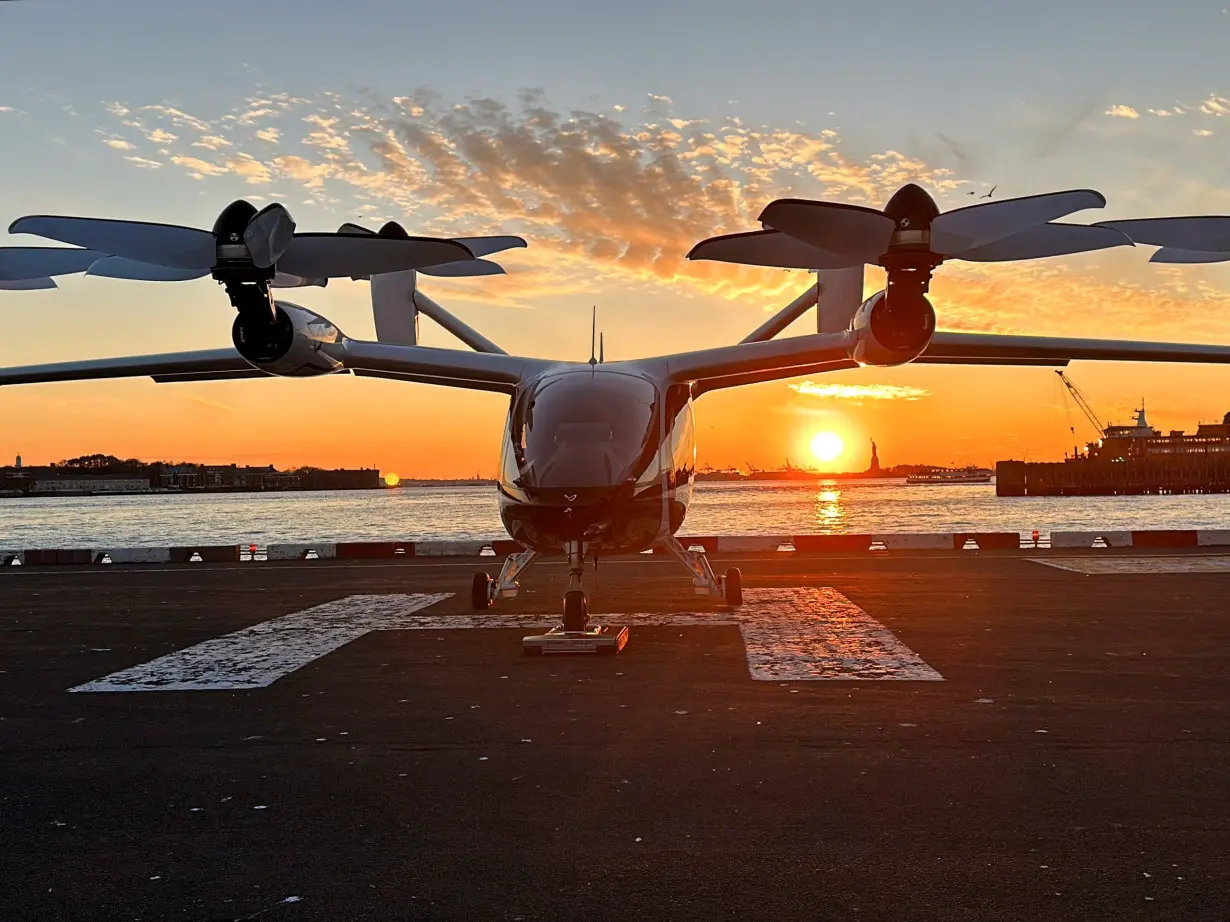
(1081, 402)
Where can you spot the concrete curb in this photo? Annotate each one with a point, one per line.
(710, 544)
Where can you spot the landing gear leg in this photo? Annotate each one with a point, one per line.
(728, 588)
(486, 590)
(576, 605)
(574, 634)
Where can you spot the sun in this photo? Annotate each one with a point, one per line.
(826, 446)
(391, 479)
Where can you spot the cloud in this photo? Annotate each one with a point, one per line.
(206, 402)
(616, 199)
(158, 136)
(860, 391)
(179, 117)
(1202, 132)
(198, 169)
(253, 171)
(144, 163)
(119, 144)
(1121, 111)
(212, 142)
(1216, 105)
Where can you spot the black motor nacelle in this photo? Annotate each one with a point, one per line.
(292, 344)
(892, 327)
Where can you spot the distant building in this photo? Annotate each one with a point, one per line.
(18, 461)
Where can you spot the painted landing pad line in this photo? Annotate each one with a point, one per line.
(789, 635)
(1144, 566)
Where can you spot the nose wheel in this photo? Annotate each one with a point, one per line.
(576, 611)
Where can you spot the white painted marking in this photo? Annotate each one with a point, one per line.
(258, 656)
(789, 634)
(1126, 566)
(810, 634)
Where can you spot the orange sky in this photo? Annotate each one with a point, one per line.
(610, 203)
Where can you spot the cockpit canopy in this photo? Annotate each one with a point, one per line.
(584, 429)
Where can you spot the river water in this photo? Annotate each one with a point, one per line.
(468, 512)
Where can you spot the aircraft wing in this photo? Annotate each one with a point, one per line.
(769, 360)
(204, 365)
(448, 367)
(995, 349)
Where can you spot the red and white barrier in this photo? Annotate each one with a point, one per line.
(710, 544)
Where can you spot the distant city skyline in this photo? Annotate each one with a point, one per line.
(612, 139)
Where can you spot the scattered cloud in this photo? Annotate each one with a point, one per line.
(212, 142)
(1121, 111)
(197, 168)
(253, 171)
(1216, 105)
(860, 391)
(144, 163)
(1202, 132)
(158, 136)
(120, 144)
(612, 198)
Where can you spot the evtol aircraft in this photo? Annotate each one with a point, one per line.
(598, 456)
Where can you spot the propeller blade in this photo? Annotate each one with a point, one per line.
(117, 267)
(341, 255)
(17, 263)
(162, 244)
(1176, 255)
(1194, 233)
(844, 230)
(465, 268)
(485, 246)
(1047, 240)
(977, 225)
(268, 234)
(769, 248)
(349, 228)
(27, 284)
(286, 280)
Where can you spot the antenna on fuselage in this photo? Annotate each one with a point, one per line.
(593, 339)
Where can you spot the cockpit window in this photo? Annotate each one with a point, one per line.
(584, 429)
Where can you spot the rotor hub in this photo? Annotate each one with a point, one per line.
(912, 210)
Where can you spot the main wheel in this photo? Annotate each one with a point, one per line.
(732, 587)
(480, 591)
(576, 610)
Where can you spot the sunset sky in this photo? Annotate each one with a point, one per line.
(612, 140)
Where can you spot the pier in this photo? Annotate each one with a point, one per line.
(877, 735)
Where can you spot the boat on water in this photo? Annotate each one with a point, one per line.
(945, 475)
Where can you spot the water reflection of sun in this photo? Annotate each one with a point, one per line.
(830, 514)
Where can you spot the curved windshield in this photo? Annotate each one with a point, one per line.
(584, 429)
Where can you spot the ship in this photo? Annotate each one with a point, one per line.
(948, 475)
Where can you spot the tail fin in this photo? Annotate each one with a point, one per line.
(393, 308)
(841, 293)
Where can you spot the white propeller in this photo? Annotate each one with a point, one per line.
(1195, 239)
(479, 246)
(241, 235)
(830, 235)
(31, 268)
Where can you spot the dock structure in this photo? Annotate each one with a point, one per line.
(1128, 477)
(934, 735)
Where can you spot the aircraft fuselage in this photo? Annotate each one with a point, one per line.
(604, 455)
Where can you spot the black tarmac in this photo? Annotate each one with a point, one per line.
(1074, 764)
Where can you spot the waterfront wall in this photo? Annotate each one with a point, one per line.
(1191, 473)
(922, 543)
